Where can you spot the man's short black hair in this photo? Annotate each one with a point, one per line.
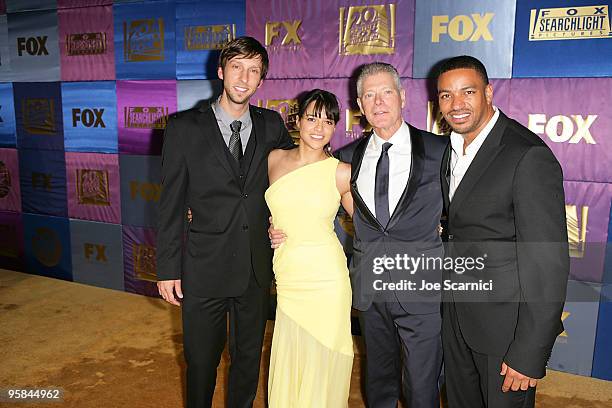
(463, 61)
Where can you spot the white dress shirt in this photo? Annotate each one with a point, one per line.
(400, 158)
(461, 162)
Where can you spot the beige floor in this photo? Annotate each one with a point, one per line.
(113, 349)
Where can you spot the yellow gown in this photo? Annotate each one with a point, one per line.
(312, 347)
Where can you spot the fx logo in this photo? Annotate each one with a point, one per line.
(290, 28)
(148, 191)
(88, 117)
(461, 27)
(100, 251)
(32, 45)
(354, 118)
(561, 128)
(41, 181)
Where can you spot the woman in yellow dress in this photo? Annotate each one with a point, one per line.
(312, 346)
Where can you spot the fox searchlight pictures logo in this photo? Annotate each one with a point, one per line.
(569, 23)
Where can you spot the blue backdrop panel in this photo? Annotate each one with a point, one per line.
(8, 130)
(23, 5)
(192, 93)
(201, 30)
(5, 61)
(480, 28)
(43, 182)
(33, 46)
(140, 189)
(145, 45)
(47, 246)
(38, 113)
(97, 254)
(573, 350)
(11, 241)
(556, 38)
(602, 359)
(90, 124)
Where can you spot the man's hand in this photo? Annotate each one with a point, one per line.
(515, 380)
(277, 237)
(167, 288)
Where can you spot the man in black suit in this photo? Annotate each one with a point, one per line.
(214, 158)
(397, 197)
(503, 195)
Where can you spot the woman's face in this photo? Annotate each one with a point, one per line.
(315, 132)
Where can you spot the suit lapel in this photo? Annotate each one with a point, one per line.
(254, 154)
(212, 135)
(416, 171)
(445, 175)
(487, 153)
(355, 167)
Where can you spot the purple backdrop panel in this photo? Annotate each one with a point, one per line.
(87, 48)
(11, 241)
(422, 108)
(139, 260)
(282, 96)
(361, 31)
(578, 129)
(10, 193)
(293, 33)
(587, 207)
(93, 187)
(82, 3)
(142, 112)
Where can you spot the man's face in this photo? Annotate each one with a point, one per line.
(466, 102)
(381, 103)
(241, 78)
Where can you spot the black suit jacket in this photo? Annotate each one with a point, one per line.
(510, 205)
(412, 228)
(227, 239)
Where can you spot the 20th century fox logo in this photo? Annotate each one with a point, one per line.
(569, 23)
(367, 30)
(144, 40)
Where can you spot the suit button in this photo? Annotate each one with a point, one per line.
(386, 233)
(245, 196)
(241, 176)
(245, 227)
(450, 237)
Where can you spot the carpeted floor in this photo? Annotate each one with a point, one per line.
(109, 349)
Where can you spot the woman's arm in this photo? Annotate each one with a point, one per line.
(343, 183)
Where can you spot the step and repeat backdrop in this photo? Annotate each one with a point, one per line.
(86, 87)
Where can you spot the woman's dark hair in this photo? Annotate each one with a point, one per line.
(323, 100)
(245, 47)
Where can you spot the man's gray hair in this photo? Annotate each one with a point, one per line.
(376, 68)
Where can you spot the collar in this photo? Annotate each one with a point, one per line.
(227, 119)
(401, 138)
(472, 148)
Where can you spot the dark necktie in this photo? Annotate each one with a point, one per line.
(381, 188)
(235, 145)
